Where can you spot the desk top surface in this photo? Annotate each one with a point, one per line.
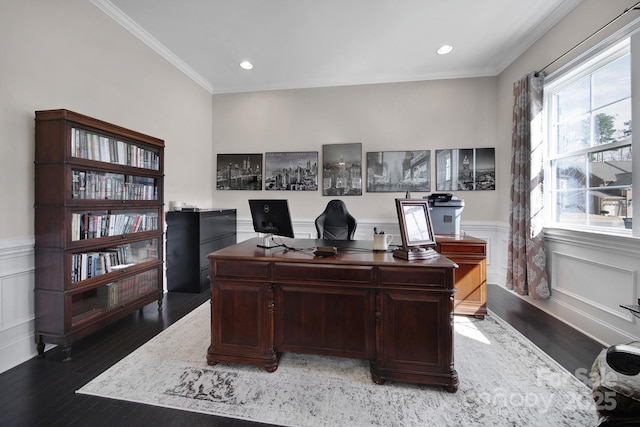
(301, 250)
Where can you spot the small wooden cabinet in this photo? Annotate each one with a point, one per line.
(98, 225)
(470, 253)
(191, 236)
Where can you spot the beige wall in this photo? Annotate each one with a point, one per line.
(403, 116)
(583, 21)
(69, 54)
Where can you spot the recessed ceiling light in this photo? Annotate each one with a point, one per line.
(444, 49)
(246, 65)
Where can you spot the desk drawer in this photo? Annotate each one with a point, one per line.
(430, 277)
(246, 270)
(323, 273)
(446, 248)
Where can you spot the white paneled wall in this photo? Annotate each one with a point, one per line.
(591, 276)
(16, 302)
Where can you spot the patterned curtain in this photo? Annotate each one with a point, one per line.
(526, 269)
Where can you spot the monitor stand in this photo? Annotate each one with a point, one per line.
(267, 242)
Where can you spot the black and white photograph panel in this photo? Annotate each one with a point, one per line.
(342, 169)
(465, 169)
(291, 170)
(485, 170)
(399, 171)
(239, 172)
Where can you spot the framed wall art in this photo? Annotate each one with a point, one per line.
(239, 172)
(342, 169)
(399, 171)
(466, 169)
(291, 170)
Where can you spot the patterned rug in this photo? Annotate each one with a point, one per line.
(505, 380)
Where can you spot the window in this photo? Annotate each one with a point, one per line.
(589, 167)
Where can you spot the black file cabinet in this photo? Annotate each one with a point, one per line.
(191, 236)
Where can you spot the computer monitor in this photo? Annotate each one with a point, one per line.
(271, 217)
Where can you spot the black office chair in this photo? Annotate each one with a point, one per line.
(336, 223)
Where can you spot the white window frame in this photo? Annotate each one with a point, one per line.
(572, 72)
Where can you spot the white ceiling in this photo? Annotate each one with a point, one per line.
(316, 43)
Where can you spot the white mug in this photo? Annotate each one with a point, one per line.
(381, 241)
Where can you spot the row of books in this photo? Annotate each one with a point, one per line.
(96, 224)
(85, 265)
(112, 186)
(91, 264)
(122, 291)
(88, 145)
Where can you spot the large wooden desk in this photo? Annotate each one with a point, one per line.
(395, 313)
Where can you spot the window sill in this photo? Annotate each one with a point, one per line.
(622, 241)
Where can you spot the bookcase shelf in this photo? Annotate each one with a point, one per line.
(98, 225)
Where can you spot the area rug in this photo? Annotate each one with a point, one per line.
(505, 380)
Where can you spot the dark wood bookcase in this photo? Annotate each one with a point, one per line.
(98, 225)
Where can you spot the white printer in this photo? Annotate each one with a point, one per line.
(445, 210)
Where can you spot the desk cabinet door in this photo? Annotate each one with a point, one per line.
(241, 321)
(471, 275)
(414, 336)
(470, 282)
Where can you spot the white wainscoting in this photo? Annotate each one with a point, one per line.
(591, 275)
(16, 302)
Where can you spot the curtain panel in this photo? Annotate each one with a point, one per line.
(526, 269)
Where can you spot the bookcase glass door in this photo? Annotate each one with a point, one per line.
(90, 145)
(88, 264)
(96, 301)
(94, 224)
(96, 185)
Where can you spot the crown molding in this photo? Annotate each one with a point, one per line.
(121, 18)
(549, 22)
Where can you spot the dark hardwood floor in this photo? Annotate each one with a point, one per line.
(567, 346)
(41, 392)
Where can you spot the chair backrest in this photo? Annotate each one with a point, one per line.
(624, 358)
(336, 223)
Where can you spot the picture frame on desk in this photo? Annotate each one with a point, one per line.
(416, 230)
